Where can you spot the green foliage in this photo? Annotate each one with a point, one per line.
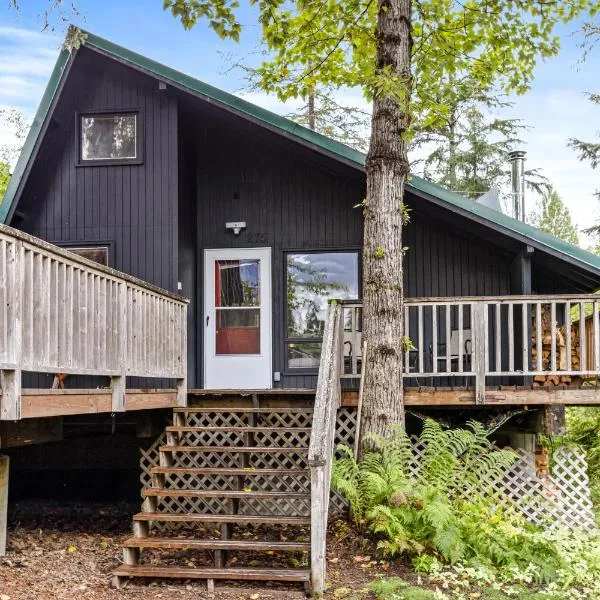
(553, 216)
(398, 589)
(13, 121)
(417, 515)
(4, 179)
(428, 518)
(583, 427)
(470, 148)
(588, 151)
(309, 44)
(220, 15)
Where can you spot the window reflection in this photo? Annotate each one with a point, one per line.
(312, 280)
(105, 137)
(237, 306)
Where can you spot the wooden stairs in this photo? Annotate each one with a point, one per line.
(230, 499)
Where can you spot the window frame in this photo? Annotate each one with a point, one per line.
(74, 245)
(96, 162)
(287, 370)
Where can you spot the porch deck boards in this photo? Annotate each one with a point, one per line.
(38, 403)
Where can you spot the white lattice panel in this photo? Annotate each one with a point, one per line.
(562, 496)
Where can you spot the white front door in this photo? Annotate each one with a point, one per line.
(237, 319)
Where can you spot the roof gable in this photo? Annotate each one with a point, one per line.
(338, 151)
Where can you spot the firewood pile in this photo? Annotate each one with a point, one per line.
(552, 381)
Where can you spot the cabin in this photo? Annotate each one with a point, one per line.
(167, 245)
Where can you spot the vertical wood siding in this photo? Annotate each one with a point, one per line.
(131, 207)
(293, 202)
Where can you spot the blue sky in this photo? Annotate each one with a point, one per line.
(555, 107)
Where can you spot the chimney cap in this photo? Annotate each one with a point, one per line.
(516, 154)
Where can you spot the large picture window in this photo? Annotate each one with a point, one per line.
(109, 137)
(313, 279)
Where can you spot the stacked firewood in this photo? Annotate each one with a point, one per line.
(551, 381)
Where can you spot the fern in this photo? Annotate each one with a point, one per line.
(422, 514)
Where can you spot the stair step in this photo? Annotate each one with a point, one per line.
(242, 409)
(196, 544)
(170, 493)
(244, 574)
(236, 449)
(226, 471)
(211, 518)
(241, 429)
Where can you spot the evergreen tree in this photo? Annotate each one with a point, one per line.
(470, 149)
(553, 216)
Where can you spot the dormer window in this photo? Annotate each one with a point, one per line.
(109, 137)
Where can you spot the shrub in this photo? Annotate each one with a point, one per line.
(449, 513)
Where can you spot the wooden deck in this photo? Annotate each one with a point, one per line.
(65, 315)
(54, 403)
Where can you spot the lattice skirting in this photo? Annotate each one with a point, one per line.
(561, 496)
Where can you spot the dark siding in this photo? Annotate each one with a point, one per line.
(132, 207)
(203, 167)
(300, 203)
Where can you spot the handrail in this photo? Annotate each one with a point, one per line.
(62, 313)
(542, 337)
(507, 298)
(320, 453)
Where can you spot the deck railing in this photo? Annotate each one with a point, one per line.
(61, 313)
(320, 453)
(483, 337)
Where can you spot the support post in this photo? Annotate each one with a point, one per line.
(318, 530)
(10, 379)
(479, 331)
(118, 384)
(521, 285)
(4, 468)
(182, 392)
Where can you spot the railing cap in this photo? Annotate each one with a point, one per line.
(545, 298)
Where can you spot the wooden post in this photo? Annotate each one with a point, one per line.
(10, 379)
(182, 392)
(4, 468)
(479, 332)
(318, 530)
(118, 384)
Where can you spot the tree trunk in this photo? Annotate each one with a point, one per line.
(386, 168)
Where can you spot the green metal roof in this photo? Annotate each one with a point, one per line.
(317, 141)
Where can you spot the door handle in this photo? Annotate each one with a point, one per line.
(207, 319)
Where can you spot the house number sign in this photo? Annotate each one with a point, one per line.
(256, 238)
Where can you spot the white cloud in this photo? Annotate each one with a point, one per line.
(26, 61)
(555, 116)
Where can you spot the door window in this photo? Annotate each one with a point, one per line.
(237, 307)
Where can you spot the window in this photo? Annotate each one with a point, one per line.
(109, 137)
(98, 254)
(313, 279)
(237, 306)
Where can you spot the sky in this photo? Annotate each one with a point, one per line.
(555, 108)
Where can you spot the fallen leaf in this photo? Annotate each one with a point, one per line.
(71, 549)
(254, 597)
(341, 591)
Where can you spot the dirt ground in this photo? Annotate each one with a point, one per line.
(67, 551)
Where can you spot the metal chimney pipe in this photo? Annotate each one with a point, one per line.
(517, 159)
